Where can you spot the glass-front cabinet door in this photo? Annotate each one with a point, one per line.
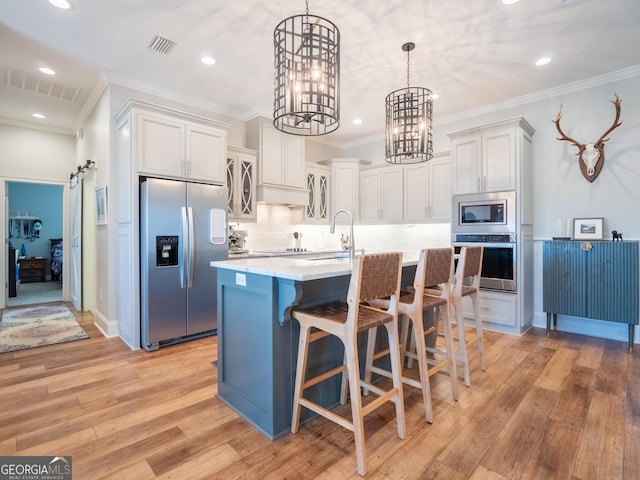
(241, 175)
(318, 185)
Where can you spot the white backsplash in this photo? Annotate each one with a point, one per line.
(275, 227)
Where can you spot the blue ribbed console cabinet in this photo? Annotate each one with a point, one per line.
(597, 280)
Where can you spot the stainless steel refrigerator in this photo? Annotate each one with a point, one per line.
(183, 227)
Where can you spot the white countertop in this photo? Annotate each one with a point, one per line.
(300, 267)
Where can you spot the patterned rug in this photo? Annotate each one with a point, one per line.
(22, 328)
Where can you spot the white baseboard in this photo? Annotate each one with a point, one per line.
(587, 326)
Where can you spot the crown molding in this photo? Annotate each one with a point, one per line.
(172, 95)
(94, 96)
(37, 126)
(573, 87)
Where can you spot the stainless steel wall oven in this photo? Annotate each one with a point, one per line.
(499, 260)
(489, 219)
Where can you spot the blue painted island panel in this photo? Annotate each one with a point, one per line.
(258, 345)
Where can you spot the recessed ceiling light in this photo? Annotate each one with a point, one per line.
(542, 61)
(62, 4)
(38, 115)
(357, 121)
(47, 71)
(208, 60)
(435, 96)
(509, 2)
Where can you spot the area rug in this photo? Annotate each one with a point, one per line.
(30, 327)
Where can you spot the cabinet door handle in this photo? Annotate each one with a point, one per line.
(479, 184)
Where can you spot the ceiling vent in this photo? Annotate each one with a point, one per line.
(160, 44)
(31, 83)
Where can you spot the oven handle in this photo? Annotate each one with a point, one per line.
(488, 245)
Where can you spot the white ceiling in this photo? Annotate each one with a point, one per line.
(471, 52)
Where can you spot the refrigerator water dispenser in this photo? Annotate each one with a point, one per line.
(167, 251)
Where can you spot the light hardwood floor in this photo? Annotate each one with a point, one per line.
(567, 407)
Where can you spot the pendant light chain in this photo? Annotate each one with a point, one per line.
(408, 73)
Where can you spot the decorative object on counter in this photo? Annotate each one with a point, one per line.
(591, 155)
(616, 235)
(237, 240)
(588, 228)
(298, 238)
(408, 137)
(559, 233)
(307, 75)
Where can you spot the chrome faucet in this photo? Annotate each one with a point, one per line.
(350, 243)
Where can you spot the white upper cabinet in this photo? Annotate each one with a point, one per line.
(175, 148)
(427, 190)
(381, 195)
(241, 183)
(205, 147)
(281, 163)
(489, 158)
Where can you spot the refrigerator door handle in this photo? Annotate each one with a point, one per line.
(190, 265)
(185, 250)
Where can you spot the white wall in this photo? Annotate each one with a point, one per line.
(35, 156)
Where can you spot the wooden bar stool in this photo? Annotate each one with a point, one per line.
(432, 283)
(373, 276)
(467, 284)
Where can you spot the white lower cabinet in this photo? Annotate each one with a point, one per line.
(495, 308)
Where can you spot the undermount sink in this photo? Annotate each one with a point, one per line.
(328, 256)
(332, 255)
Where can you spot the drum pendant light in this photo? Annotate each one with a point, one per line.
(307, 75)
(408, 137)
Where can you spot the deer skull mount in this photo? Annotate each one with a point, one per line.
(591, 155)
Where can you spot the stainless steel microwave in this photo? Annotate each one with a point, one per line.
(492, 212)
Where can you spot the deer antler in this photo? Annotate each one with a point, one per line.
(564, 135)
(616, 122)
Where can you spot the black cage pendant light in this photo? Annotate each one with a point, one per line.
(408, 124)
(307, 75)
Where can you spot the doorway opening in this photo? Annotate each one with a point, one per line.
(35, 242)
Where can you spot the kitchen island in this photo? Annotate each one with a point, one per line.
(258, 340)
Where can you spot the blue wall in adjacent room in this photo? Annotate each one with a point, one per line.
(43, 201)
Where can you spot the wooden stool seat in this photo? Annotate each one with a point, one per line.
(435, 269)
(373, 277)
(467, 284)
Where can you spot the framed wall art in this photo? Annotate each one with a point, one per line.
(101, 205)
(588, 228)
